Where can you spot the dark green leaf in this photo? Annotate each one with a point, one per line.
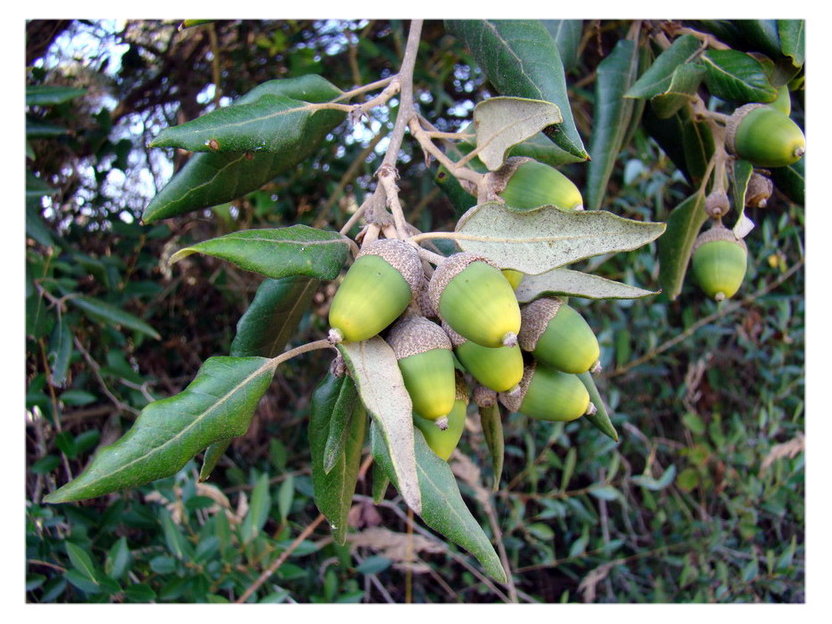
(213, 454)
(683, 87)
(759, 35)
(443, 509)
(175, 541)
(492, 429)
(521, 59)
(50, 95)
(335, 403)
(600, 419)
(77, 397)
(605, 492)
(209, 179)
(45, 465)
(82, 562)
(374, 565)
(737, 76)
(611, 117)
(60, 350)
(659, 75)
(83, 583)
(793, 40)
(258, 510)
(675, 245)
(139, 592)
(285, 496)
(279, 252)
(37, 229)
(791, 181)
(697, 143)
(273, 316)
(273, 123)
(41, 130)
(567, 36)
(218, 404)
(380, 483)
(104, 312)
(118, 559)
(648, 482)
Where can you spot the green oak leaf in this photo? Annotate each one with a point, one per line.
(218, 404)
(278, 252)
(521, 59)
(337, 428)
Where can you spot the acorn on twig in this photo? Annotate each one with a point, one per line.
(557, 335)
(549, 394)
(376, 289)
(764, 136)
(719, 262)
(497, 368)
(475, 299)
(443, 441)
(426, 362)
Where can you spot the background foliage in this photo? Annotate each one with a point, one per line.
(701, 500)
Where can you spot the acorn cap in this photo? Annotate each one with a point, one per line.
(764, 136)
(734, 123)
(454, 337)
(716, 233)
(414, 335)
(512, 400)
(717, 204)
(424, 302)
(484, 397)
(399, 254)
(449, 269)
(758, 191)
(461, 388)
(535, 319)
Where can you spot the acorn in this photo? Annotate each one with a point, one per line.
(717, 204)
(555, 334)
(426, 362)
(764, 136)
(376, 289)
(514, 277)
(530, 184)
(476, 300)
(549, 394)
(444, 441)
(758, 191)
(719, 262)
(497, 368)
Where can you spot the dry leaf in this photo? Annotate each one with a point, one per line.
(788, 449)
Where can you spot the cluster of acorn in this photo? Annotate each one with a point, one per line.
(464, 318)
(765, 136)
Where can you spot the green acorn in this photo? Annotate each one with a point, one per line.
(443, 441)
(549, 394)
(764, 136)
(528, 184)
(476, 300)
(719, 262)
(425, 359)
(497, 368)
(555, 334)
(377, 288)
